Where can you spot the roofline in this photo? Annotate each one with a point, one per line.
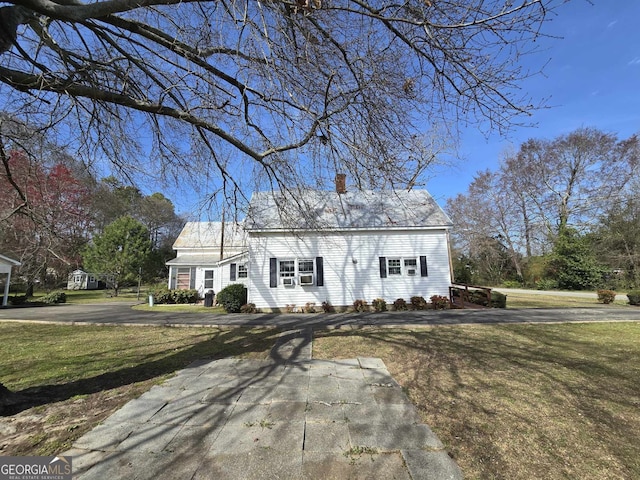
(347, 229)
(10, 260)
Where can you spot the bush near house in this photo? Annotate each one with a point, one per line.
(232, 297)
(400, 305)
(419, 303)
(248, 308)
(606, 296)
(162, 295)
(379, 305)
(438, 302)
(498, 300)
(327, 307)
(634, 297)
(360, 305)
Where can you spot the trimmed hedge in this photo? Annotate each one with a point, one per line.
(379, 305)
(162, 295)
(232, 297)
(634, 297)
(400, 304)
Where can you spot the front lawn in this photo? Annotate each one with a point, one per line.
(70, 378)
(517, 401)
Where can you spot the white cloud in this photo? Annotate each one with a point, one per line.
(635, 61)
(611, 24)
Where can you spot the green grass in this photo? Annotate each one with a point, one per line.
(34, 355)
(523, 300)
(180, 308)
(99, 296)
(517, 401)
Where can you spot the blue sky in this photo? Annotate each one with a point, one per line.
(592, 79)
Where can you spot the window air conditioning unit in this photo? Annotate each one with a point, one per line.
(288, 281)
(411, 271)
(306, 279)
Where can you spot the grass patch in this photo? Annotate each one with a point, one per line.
(524, 300)
(98, 296)
(175, 308)
(513, 401)
(70, 378)
(36, 354)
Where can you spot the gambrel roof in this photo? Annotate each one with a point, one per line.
(366, 210)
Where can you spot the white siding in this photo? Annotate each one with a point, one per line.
(351, 266)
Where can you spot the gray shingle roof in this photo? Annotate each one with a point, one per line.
(352, 210)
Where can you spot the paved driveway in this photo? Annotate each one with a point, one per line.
(122, 314)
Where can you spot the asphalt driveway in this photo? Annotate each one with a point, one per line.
(123, 314)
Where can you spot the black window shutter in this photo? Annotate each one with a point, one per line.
(383, 267)
(273, 272)
(423, 266)
(319, 272)
(232, 272)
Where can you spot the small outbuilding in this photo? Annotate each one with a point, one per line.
(81, 280)
(6, 264)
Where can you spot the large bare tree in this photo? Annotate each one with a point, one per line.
(248, 93)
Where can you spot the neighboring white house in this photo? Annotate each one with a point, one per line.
(322, 246)
(339, 247)
(6, 264)
(206, 259)
(81, 280)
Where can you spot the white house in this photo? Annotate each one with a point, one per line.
(6, 264)
(342, 246)
(208, 260)
(321, 246)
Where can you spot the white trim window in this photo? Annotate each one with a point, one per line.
(306, 271)
(411, 267)
(242, 270)
(208, 279)
(394, 266)
(287, 268)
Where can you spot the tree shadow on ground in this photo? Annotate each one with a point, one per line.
(227, 343)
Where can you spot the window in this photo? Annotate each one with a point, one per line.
(242, 270)
(183, 278)
(393, 266)
(410, 266)
(208, 279)
(305, 266)
(287, 268)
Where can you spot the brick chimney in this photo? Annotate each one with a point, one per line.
(341, 183)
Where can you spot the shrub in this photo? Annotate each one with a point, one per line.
(161, 294)
(309, 307)
(606, 296)
(419, 303)
(17, 300)
(360, 305)
(439, 302)
(511, 284)
(54, 297)
(634, 297)
(379, 305)
(479, 297)
(232, 297)
(248, 308)
(185, 296)
(400, 305)
(498, 300)
(327, 307)
(546, 284)
(290, 308)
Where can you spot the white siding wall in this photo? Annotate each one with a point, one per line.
(221, 277)
(351, 266)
